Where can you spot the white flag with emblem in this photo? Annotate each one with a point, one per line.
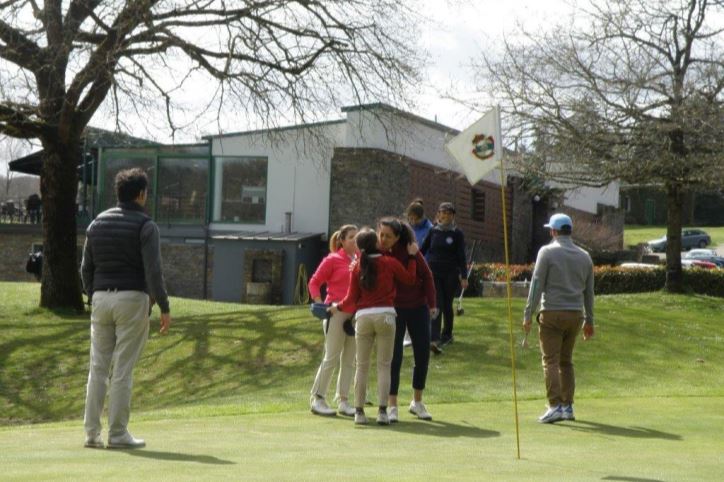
(478, 149)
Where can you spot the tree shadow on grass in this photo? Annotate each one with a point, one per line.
(44, 364)
(632, 432)
(443, 429)
(178, 457)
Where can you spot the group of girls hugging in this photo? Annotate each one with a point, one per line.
(379, 285)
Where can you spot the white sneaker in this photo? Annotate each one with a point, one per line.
(94, 442)
(392, 415)
(360, 418)
(344, 408)
(382, 418)
(553, 414)
(320, 407)
(419, 409)
(568, 412)
(125, 441)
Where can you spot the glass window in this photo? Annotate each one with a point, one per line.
(240, 189)
(112, 165)
(182, 189)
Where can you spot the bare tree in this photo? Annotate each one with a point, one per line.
(630, 91)
(61, 60)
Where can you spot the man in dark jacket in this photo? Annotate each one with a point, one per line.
(121, 267)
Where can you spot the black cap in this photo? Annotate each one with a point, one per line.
(446, 206)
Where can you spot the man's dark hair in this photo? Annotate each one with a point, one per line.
(130, 183)
(565, 230)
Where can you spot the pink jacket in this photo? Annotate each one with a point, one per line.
(334, 272)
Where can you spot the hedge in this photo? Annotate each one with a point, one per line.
(610, 279)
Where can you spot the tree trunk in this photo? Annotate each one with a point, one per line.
(674, 274)
(60, 283)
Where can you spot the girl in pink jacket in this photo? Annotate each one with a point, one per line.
(339, 348)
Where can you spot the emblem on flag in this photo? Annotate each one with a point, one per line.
(483, 146)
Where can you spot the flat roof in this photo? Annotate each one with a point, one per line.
(265, 236)
(275, 129)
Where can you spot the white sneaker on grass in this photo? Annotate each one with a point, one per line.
(419, 409)
(94, 442)
(320, 407)
(553, 414)
(344, 408)
(125, 441)
(360, 418)
(568, 412)
(382, 418)
(392, 414)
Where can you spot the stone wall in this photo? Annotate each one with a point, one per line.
(367, 184)
(183, 269)
(16, 243)
(183, 264)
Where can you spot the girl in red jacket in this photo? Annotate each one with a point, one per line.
(371, 295)
(339, 348)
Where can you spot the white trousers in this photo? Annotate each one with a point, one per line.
(339, 351)
(119, 329)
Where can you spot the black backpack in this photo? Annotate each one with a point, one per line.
(34, 265)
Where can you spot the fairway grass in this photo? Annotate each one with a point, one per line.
(225, 395)
(626, 439)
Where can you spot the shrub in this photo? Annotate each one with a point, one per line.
(612, 279)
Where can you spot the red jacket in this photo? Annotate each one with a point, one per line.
(334, 272)
(423, 291)
(389, 271)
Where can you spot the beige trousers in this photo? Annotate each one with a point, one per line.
(339, 351)
(119, 329)
(371, 330)
(558, 331)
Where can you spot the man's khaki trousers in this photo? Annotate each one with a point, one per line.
(558, 331)
(119, 329)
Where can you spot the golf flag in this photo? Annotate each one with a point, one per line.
(478, 149)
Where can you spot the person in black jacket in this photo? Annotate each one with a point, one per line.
(121, 267)
(444, 249)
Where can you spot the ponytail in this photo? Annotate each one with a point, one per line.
(367, 244)
(335, 241)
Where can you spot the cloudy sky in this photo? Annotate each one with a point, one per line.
(457, 31)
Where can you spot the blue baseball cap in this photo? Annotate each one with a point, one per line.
(557, 222)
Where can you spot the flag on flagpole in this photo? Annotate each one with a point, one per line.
(478, 149)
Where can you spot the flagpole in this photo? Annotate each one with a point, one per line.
(508, 289)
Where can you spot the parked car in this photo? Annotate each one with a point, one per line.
(697, 263)
(632, 265)
(690, 238)
(709, 255)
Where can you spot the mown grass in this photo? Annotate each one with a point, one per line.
(225, 395)
(263, 359)
(634, 234)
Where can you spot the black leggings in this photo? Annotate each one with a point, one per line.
(417, 322)
(446, 285)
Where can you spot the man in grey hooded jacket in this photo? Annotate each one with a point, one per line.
(563, 286)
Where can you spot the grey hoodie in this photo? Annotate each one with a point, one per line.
(562, 280)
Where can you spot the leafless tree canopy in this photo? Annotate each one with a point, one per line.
(629, 90)
(60, 59)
